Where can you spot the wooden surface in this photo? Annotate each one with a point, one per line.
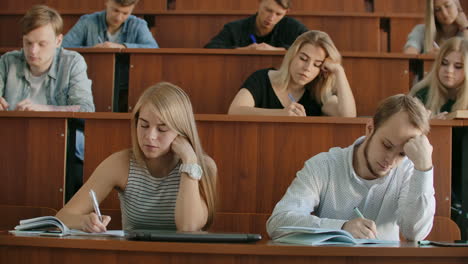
(252, 5)
(32, 160)
(405, 6)
(246, 172)
(349, 32)
(15, 249)
(11, 215)
(400, 27)
(213, 77)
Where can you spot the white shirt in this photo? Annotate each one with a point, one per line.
(38, 91)
(114, 37)
(329, 188)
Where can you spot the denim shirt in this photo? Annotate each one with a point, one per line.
(66, 82)
(91, 29)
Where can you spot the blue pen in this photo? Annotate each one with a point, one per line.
(291, 98)
(252, 37)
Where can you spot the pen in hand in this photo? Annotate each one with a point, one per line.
(252, 37)
(95, 204)
(360, 215)
(291, 98)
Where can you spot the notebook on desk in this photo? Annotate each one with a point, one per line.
(174, 236)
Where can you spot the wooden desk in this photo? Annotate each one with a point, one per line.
(213, 77)
(32, 250)
(349, 31)
(32, 159)
(252, 6)
(400, 27)
(101, 64)
(258, 157)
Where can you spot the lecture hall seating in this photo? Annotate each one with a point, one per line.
(372, 76)
(255, 143)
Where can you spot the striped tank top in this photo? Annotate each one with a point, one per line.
(149, 202)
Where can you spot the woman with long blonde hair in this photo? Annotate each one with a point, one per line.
(311, 81)
(445, 89)
(165, 181)
(444, 19)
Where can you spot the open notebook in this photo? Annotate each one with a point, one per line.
(174, 236)
(52, 226)
(321, 236)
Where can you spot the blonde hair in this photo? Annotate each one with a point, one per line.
(432, 26)
(321, 87)
(173, 107)
(417, 114)
(438, 93)
(41, 15)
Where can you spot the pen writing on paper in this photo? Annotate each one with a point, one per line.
(360, 215)
(291, 98)
(252, 37)
(92, 194)
(100, 39)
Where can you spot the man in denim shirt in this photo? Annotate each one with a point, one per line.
(42, 76)
(113, 28)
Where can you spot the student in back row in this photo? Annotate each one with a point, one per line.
(113, 28)
(165, 181)
(387, 175)
(444, 89)
(444, 19)
(311, 81)
(269, 29)
(43, 76)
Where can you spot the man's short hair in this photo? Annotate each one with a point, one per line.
(126, 2)
(41, 15)
(286, 4)
(417, 115)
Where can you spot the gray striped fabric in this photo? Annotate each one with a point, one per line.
(149, 202)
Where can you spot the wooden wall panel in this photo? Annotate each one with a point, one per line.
(349, 33)
(102, 138)
(374, 79)
(11, 215)
(400, 27)
(252, 5)
(211, 80)
(101, 72)
(219, 76)
(405, 6)
(32, 161)
(10, 31)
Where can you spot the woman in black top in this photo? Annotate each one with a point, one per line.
(310, 81)
(444, 89)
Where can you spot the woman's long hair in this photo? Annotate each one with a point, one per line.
(173, 107)
(321, 87)
(438, 93)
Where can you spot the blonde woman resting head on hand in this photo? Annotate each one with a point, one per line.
(165, 181)
(310, 82)
(444, 89)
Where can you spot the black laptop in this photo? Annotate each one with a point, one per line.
(174, 236)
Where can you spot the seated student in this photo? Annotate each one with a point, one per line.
(43, 76)
(444, 19)
(444, 89)
(112, 28)
(388, 175)
(269, 29)
(310, 81)
(165, 181)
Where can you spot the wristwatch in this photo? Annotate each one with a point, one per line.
(194, 170)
